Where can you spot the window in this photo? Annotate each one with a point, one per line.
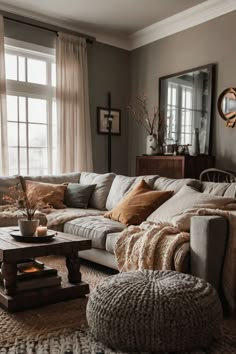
(179, 122)
(187, 115)
(31, 108)
(171, 121)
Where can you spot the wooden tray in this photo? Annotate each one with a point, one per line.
(33, 239)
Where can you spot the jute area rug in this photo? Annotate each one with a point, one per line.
(62, 329)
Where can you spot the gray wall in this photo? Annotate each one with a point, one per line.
(211, 42)
(128, 73)
(109, 70)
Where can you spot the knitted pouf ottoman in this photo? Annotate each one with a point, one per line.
(154, 311)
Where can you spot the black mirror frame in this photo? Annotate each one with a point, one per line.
(212, 73)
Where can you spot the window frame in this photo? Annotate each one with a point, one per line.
(33, 90)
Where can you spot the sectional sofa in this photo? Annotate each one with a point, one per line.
(208, 234)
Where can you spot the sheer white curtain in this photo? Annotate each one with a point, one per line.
(3, 108)
(74, 132)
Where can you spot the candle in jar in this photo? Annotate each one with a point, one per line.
(41, 231)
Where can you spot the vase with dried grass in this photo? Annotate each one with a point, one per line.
(19, 200)
(151, 120)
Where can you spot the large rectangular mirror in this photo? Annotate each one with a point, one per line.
(185, 100)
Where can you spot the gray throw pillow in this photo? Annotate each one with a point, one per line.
(78, 195)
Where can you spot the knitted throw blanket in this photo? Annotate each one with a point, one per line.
(148, 246)
(153, 245)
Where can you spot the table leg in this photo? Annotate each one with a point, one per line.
(73, 266)
(9, 271)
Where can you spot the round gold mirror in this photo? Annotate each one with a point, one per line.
(227, 106)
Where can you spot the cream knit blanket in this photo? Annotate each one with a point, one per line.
(153, 245)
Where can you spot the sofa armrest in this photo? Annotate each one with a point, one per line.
(208, 237)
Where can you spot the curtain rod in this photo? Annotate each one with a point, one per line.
(44, 26)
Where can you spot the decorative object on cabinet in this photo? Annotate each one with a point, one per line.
(227, 106)
(151, 145)
(182, 150)
(151, 120)
(185, 100)
(217, 175)
(183, 166)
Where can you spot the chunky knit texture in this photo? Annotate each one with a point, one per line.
(154, 311)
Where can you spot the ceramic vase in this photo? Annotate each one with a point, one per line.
(151, 145)
(194, 150)
(28, 227)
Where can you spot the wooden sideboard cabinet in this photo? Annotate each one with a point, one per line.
(180, 166)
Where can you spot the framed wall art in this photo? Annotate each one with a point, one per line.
(102, 121)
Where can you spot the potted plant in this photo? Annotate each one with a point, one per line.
(151, 121)
(18, 198)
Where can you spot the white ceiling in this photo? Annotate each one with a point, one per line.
(114, 16)
(123, 23)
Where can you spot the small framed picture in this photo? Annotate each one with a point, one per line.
(102, 121)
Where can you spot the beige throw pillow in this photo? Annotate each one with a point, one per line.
(140, 202)
(187, 198)
(52, 194)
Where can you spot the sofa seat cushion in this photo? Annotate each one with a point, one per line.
(122, 185)
(61, 216)
(111, 241)
(94, 228)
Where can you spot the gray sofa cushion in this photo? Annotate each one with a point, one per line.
(72, 177)
(111, 242)
(173, 184)
(122, 185)
(103, 184)
(61, 216)
(5, 183)
(220, 189)
(94, 228)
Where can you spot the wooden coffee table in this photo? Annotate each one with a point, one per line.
(12, 252)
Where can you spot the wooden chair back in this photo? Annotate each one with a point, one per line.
(217, 175)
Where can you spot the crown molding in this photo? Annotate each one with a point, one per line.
(194, 16)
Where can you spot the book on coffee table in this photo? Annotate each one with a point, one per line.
(45, 272)
(45, 282)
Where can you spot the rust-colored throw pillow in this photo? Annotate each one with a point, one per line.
(138, 204)
(51, 194)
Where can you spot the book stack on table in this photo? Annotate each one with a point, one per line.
(32, 274)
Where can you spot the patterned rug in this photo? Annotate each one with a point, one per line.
(82, 342)
(62, 328)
